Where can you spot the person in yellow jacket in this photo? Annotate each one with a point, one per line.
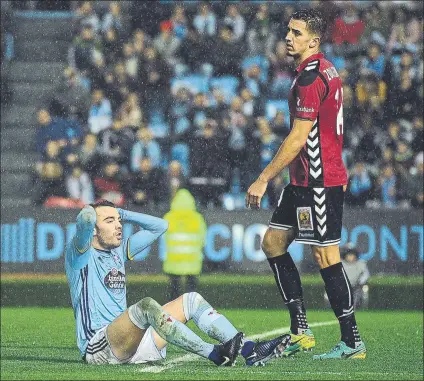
(184, 239)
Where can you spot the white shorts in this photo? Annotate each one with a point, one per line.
(99, 350)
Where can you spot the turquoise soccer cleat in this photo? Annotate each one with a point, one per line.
(342, 351)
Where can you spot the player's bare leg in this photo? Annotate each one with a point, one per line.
(275, 245)
(125, 333)
(340, 295)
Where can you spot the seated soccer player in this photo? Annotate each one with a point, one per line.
(110, 333)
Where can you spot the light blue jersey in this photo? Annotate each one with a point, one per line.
(97, 278)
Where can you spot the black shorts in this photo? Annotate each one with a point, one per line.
(315, 214)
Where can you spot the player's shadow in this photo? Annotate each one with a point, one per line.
(47, 359)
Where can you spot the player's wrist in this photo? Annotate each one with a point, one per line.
(263, 179)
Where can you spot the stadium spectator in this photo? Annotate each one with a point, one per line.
(130, 59)
(261, 37)
(387, 183)
(281, 73)
(406, 30)
(377, 25)
(113, 19)
(148, 186)
(87, 17)
(49, 179)
(79, 186)
(374, 62)
(358, 273)
(145, 147)
(175, 178)
(108, 184)
(360, 186)
(252, 107)
(226, 54)
(111, 46)
(89, 155)
(418, 135)
(100, 112)
(205, 20)
(404, 100)
(279, 125)
(235, 21)
(86, 48)
(179, 22)
(167, 44)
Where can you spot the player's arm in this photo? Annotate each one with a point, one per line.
(86, 221)
(152, 229)
(288, 150)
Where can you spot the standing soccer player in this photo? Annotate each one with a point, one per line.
(310, 208)
(108, 332)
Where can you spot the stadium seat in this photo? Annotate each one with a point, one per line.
(195, 83)
(180, 152)
(227, 85)
(274, 105)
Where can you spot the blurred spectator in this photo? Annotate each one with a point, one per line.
(71, 95)
(360, 185)
(87, 17)
(89, 155)
(148, 186)
(209, 179)
(108, 184)
(387, 186)
(252, 107)
(116, 143)
(406, 30)
(145, 147)
(377, 25)
(166, 44)
(130, 112)
(374, 62)
(417, 144)
(279, 126)
(348, 28)
(403, 154)
(194, 50)
(269, 142)
(86, 48)
(404, 102)
(235, 21)
(260, 36)
(358, 274)
(179, 22)
(281, 71)
(113, 19)
(111, 46)
(130, 59)
(79, 186)
(205, 20)
(368, 149)
(49, 180)
(100, 112)
(175, 178)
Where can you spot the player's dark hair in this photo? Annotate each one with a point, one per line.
(100, 203)
(315, 22)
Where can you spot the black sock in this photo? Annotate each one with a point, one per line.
(340, 295)
(288, 282)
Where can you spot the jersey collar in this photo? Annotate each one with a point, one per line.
(309, 59)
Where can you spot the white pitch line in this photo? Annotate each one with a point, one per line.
(191, 357)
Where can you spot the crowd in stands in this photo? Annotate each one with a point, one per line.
(162, 96)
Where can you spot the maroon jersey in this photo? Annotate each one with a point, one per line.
(316, 94)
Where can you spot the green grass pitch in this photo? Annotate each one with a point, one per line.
(39, 344)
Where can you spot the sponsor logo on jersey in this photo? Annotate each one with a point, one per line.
(300, 108)
(115, 280)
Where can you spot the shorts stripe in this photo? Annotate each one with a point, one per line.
(97, 350)
(280, 226)
(318, 243)
(98, 344)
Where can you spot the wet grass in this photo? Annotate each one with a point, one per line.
(39, 344)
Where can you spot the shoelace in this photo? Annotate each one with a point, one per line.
(336, 348)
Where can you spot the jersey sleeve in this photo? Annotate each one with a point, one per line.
(78, 249)
(152, 229)
(311, 90)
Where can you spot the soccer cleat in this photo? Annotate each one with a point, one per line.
(264, 351)
(303, 342)
(342, 351)
(227, 353)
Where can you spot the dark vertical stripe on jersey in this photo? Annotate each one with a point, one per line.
(82, 308)
(89, 331)
(319, 181)
(87, 309)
